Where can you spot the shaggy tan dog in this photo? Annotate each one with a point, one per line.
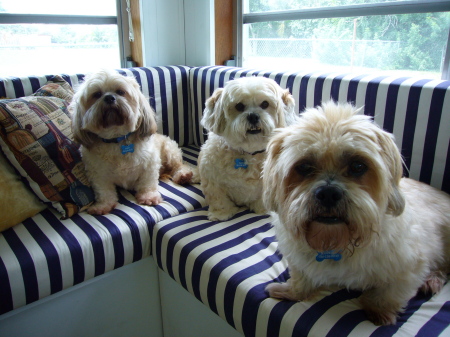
(240, 119)
(345, 217)
(116, 127)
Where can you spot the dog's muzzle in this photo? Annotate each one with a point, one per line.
(113, 118)
(253, 119)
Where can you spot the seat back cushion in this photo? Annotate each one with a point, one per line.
(414, 110)
(168, 92)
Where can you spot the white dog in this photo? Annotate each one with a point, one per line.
(240, 119)
(116, 127)
(344, 216)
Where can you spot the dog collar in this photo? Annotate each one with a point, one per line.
(253, 153)
(116, 140)
(126, 148)
(242, 163)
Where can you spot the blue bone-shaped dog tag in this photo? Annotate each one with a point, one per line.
(127, 148)
(329, 255)
(240, 163)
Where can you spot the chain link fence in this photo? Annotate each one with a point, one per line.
(357, 53)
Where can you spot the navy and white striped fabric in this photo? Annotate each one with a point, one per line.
(227, 266)
(44, 255)
(416, 111)
(14, 87)
(166, 88)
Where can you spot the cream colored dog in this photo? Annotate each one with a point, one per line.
(240, 119)
(116, 127)
(345, 217)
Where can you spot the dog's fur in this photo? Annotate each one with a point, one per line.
(107, 106)
(334, 183)
(240, 119)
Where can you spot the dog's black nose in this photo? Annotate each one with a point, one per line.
(253, 118)
(328, 196)
(109, 99)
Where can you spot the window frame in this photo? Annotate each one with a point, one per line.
(121, 20)
(382, 8)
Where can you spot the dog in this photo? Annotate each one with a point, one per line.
(240, 119)
(116, 126)
(344, 216)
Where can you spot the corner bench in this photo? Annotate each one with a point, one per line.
(225, 265)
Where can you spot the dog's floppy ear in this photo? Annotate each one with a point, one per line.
(286, 111)
(213, 118)
(80, 136)
(147, 122)
(289, 107)
(392, 158)
(271, 191)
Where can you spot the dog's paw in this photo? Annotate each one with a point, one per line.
(284, 291)
(381, 317)
(101, 208)
(149, 198)
(222, 214)
(381, 309)
(434, 283)
(278, 290)
(195, 176)
(182, 177)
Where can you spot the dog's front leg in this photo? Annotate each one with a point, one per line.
(147, 189)
(105, 197)
(297, 288)
(221, 207)
(257, 206)
(383, 304)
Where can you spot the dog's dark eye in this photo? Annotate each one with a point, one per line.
(240, 107)
(304, 169)
(120, 92)
(264, 105)
(97, 94)
(357, 168)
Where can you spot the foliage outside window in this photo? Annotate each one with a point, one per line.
(397, 44)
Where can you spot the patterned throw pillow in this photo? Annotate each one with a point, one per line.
(36, 137)
(56, 87)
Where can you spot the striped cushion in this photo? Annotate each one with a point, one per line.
(190, 154)
(14, 87)
(166, 87)
(414, 110)
(227, 266)
(44, 254)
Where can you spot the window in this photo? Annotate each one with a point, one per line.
(403, 38)
(53, 36)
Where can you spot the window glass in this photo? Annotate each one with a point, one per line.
(45, 49)
(78, 7)
(252, 6)
(409, 44)
(39, 49)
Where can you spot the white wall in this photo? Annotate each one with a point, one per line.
(178, 32)
(185, 316)
(122, 302)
